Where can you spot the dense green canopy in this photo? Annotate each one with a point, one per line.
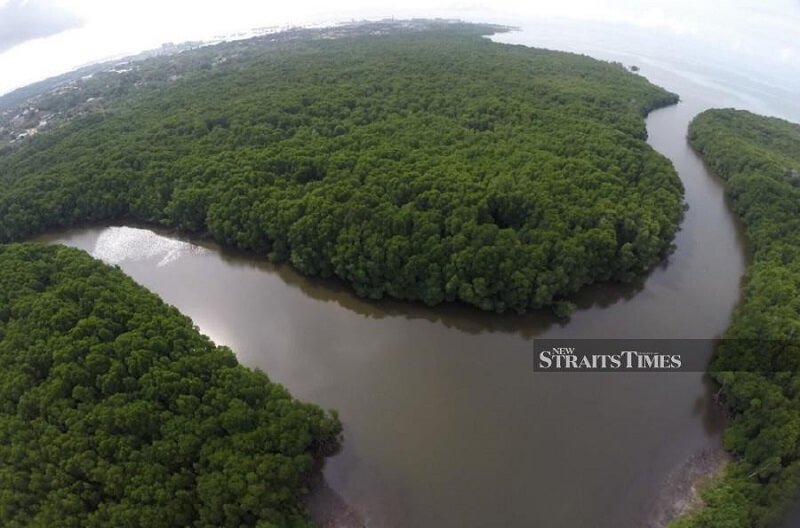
(428, 165)
(115, 411)
(758, 365)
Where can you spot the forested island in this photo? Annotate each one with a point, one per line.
(115, 411)
(758, 363)
(421, 164)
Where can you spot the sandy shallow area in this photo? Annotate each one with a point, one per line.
(328, 509)
(683, 487)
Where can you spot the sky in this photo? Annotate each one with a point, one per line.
(42, 38)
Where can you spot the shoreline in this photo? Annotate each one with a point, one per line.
(683, 488)
(327, 509)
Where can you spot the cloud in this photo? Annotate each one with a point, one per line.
(23, 20)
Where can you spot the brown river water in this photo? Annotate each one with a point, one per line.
(445, 422)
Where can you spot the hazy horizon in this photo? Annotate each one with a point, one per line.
(43, 38)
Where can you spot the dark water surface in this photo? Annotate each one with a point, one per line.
(446, 425)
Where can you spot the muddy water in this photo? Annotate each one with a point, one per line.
(446, 424)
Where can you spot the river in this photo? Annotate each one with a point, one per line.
(445, 423)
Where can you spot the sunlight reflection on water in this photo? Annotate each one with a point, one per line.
(119, 244)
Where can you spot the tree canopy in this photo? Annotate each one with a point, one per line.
(423, 165)
(758, 364)
(116, 411)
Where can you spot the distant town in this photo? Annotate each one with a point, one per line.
(32, 109)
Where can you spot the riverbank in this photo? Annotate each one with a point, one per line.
(757, 363)
(683, 488)
(328, 509)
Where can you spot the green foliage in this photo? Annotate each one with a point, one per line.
(116, 411)
(758, 366)
(429, 165)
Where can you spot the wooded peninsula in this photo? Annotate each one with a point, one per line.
(422, 165)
